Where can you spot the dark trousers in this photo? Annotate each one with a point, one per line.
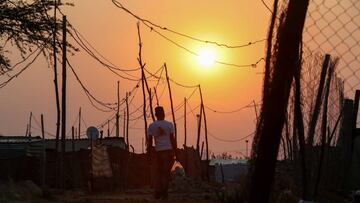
(164, 162)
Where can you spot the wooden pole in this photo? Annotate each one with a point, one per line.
(185, 130)
(198, 116)
(150, 104)
(247, 152)
(43, 153)
(355, 113)
(171, 101)
(156, 96)
(256, 114)
(202, 150)
(57, 97)
(142, 80)
(118, 109)
(108, 129)
(318, 101)
(185, 137)
(63, 101)
(124, 124)
(27, 130)
(205, 123)
(299, 132)
(275, 98)
(127, 120)
(324, 125)
(206, 135)
(76, 136)
(56, 82)
(30, 126)
(79, 130)
(73, 138)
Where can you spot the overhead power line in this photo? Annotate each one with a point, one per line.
(110, 67)
(230, 140)
(148, 22)
(231, 111)
(108, 106)
(80, 36)
(153, 27)
(3, 84)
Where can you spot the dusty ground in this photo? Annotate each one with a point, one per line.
(181, 191)
(135, 196)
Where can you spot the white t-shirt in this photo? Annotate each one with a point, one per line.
(161, 130)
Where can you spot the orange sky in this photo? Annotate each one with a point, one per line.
(113, 33)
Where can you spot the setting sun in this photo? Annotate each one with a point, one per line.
(206, 57)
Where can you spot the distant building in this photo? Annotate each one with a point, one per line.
(19, 146)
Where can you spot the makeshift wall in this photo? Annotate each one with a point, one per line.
(129, 170)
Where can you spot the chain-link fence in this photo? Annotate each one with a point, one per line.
(333, 27)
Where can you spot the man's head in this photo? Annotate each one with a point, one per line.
(159, 113)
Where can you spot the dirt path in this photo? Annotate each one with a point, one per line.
(136, 197)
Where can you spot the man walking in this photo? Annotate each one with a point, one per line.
(165, 148)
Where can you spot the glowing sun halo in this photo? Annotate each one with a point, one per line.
(206, 57)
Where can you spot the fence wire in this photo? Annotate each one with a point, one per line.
(333, 27)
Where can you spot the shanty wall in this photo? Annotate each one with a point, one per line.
(130, 170)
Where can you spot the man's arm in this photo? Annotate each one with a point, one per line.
(174, 145)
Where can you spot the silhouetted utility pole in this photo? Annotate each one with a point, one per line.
(73, 138)
(30, 126)
(206, 136)
(246, 152)
(202, 150)
(156, 96)
(108, 129)
(142, 81)
(127, 120)
(150, 103)
(198, 118)
(256, 114)
(171, 101)
(56, 82)
(118, 109)
(79, 130)
(185, 137)
(63, 103)
(124, 123)
(185, 130)
(150, 97)
(43, 171)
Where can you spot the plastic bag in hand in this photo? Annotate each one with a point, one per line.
(177, 170)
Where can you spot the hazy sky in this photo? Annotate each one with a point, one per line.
(114, 34)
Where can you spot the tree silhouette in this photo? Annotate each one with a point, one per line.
(27, 26)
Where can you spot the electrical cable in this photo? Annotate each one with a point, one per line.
(146, 22)
(109, 67)
(3, 84)
(87, 92)
(232, 111)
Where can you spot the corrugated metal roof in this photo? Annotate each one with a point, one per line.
(18, 146)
